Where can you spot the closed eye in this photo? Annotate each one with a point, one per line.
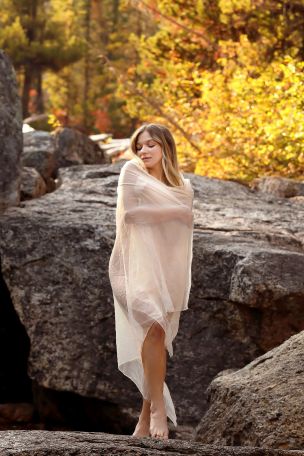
(149, 145)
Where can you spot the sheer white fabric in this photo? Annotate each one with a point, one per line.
(150, 265)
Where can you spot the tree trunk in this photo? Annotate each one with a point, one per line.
(28, 75)
(86, 86)
(39, 100)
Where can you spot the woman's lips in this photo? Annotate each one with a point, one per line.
(146, 158)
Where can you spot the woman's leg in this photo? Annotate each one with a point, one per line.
(154, 357)
(142, 428)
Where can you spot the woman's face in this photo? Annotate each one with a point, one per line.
(148, 150)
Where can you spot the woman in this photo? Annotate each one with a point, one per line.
(150, 269)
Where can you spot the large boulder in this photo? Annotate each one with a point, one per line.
(73, 147)
(10, 135)
(39, 153)
(261, 404)
(47, 152)
(247, 285)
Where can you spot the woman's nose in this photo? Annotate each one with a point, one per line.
(144, 149)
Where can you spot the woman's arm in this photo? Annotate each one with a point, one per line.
(158, 215)
(135, 211)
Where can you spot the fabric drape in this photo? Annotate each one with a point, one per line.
(150, 265)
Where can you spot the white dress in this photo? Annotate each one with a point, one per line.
(150, 266)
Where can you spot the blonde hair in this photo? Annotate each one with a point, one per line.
(164, 138)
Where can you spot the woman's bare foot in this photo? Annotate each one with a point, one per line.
(158, 421)
(142, 428)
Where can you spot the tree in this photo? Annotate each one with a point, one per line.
(226, 76)
(36, 39)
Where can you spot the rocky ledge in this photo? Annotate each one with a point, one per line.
(34, 443)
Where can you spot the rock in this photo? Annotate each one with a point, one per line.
(278, 186)
(65, 410)
(50, 184)
(297, 199)
(27, 128)
(269, 294)
(115, 147)
(261, 404)
(100, 138)
(20, 412)
(32, 184)
(10, 135)
(47, 152)
(73, 147)
(15, 386)
(39, 122)
(37, 443)
(247, 290)
(39, 153)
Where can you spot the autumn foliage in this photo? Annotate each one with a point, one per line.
(225, 75)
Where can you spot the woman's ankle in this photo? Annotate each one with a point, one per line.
(144, 418)
(157, 404)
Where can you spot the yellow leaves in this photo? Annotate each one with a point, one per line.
(265, 122)
(13, 35)
(244, 113)
(53, 121)
(229, 6)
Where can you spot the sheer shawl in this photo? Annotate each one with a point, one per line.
(150, 266)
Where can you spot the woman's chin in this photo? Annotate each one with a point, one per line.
(147, 164)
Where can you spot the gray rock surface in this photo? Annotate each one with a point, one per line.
(261, 404)
(38, 443)
(10, 135)
(247, 285)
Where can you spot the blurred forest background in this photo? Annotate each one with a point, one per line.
(225, 75)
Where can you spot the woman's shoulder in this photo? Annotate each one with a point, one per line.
(128, 165)
(131, 164)
(128, 172)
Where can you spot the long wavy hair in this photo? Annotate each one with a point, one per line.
(164, 138)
